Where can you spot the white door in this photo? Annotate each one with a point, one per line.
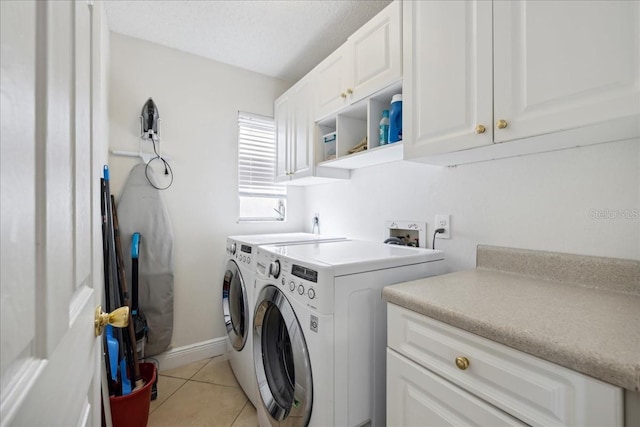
(375, 53)
(332, 82)
(303, 129)
(51, 235)
(564, 65)
(448, 66)
(282, 113)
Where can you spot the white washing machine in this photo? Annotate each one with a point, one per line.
(319, 329)
(238, 299)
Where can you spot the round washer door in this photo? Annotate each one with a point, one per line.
(235, 306)
(281, 359)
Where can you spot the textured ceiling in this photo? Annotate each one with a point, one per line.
(279, 38)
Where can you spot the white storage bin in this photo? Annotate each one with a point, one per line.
(329, 143)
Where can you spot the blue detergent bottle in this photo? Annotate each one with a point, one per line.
(395, 119)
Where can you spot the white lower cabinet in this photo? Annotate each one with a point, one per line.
(418, 397)
(441, 375)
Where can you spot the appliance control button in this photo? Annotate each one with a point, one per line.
(292, 286)
(233, 249)
(274, 269)
(312, 293)
(249, 260)
(301, 290)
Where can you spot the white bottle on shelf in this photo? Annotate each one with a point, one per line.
(384, 128)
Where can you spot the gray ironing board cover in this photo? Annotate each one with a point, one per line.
(141, 209)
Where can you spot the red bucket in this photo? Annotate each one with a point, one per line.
(132, 410)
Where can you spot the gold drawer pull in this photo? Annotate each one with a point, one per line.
(480, 129)
(501, 124)
(462, 362)
(343, 95)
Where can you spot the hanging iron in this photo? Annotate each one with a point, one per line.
(150, 130)
(150, 118)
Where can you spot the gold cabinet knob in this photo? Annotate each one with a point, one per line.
(349, 91)
(118, 318)
(501, 124)
(480, 129)
(343, 95)
(462, 362)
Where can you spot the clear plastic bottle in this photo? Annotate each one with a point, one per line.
(384, 128)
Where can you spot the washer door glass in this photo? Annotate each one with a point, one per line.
(281, 358)
(235, 306)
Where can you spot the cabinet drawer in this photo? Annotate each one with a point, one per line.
(533, 390)
(417, 397)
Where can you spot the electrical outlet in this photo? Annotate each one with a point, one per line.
(443, 221)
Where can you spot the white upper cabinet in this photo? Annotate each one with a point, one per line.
(370, 60)
(294, 132)
(332, 82)
(295, 137)
(303, 132)
(284, 123)
(448, 88)
(550, 75)
(564, 64)
(375, 53)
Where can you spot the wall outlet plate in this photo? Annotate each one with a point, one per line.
(443, 221)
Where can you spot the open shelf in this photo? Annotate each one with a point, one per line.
(374, 156)
(353, 124)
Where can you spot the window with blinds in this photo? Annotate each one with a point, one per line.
(260, 198)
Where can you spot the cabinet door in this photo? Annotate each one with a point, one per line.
(564, 65)
(331, 83)
(282, 113)
(301, 147)
(448, 76)
(417, 397)
(375, 57)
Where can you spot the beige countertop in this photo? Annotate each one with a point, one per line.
(592, 329)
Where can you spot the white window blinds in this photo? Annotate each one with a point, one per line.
(257, 157)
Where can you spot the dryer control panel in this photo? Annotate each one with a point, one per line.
(299, 282)
(241, 252)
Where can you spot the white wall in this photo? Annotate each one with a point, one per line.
(542, 202)
(198, 100)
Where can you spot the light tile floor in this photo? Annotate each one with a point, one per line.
(204, 393)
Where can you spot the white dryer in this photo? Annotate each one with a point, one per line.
(238, 299)
(319, 329)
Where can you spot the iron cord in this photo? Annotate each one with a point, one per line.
(167, 168)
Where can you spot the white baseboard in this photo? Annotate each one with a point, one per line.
(180, 356)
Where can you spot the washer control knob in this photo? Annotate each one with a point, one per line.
(292, 286)
(312, 293)
(248, 260)
(274, 269)
(301, 290)
(232, 249)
